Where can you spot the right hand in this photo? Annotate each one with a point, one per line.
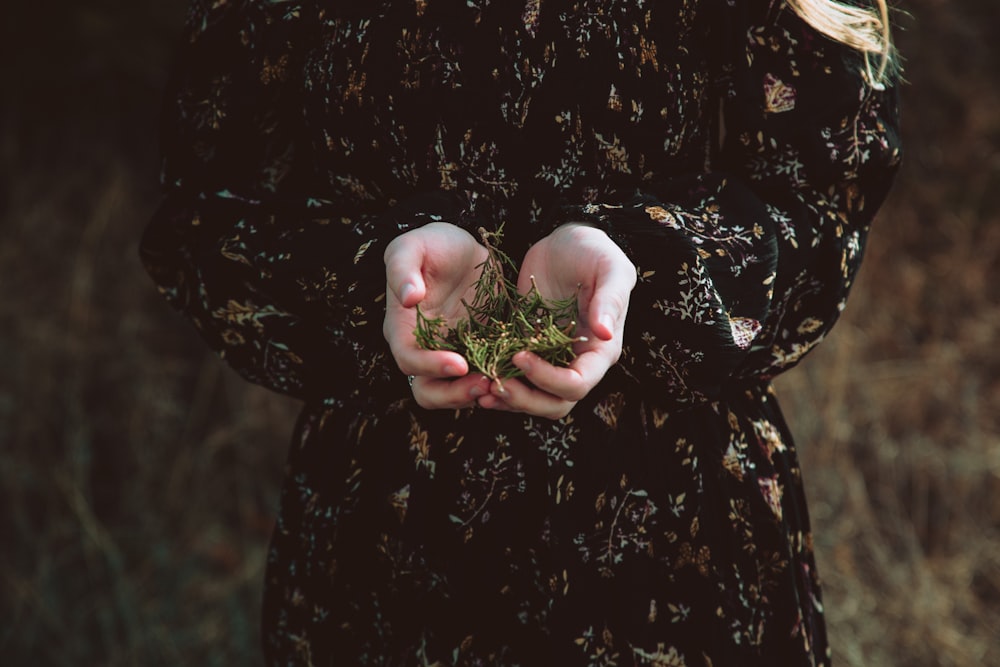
(435, 266)
(575, 259)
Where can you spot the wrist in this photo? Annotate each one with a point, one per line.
(593, 217)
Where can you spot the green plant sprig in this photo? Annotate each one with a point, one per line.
(502, 322)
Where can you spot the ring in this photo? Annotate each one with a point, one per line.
(410, 379)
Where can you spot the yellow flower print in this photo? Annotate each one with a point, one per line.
(778, 95)
(610, 408)
(661, 657)
(276, 71)
(420, 446)
(661, 215)
(232, 337)
(809, 325)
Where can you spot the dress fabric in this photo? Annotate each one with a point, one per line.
(735, 155)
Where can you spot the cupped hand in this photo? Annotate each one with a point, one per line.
(435, 266)
(574, 259)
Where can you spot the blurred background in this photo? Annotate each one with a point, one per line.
(139, 476)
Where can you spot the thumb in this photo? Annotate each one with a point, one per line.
(403, 275)
(609, 305)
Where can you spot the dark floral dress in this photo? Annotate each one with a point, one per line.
(738, 158)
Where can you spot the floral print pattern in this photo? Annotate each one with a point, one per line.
(735, 155)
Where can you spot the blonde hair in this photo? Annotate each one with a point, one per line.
(864, 29)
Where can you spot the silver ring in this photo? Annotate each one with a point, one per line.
(410, 379)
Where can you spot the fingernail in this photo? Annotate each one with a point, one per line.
(477, 391)
(406, 291)
(451, 370)
(523, 360)
(606, 322)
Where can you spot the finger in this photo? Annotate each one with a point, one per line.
(515, 396)
(609, 304)
(412, 359)
(403, 263)
(436, 394)
(437, 364)
(573, 382)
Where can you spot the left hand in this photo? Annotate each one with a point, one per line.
(574, 259)
(434, 266)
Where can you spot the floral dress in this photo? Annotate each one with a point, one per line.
(737, 157)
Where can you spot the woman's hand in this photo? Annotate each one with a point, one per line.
(434, 266)
(574, 259)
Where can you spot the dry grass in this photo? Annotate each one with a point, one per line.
(898, 413)
(138, 477)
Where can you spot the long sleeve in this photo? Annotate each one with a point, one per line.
(279, 270)
(299, 138)
(745, 267)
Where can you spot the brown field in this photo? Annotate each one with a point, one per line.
(138, 476)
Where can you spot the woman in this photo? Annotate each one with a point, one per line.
(706, 171)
